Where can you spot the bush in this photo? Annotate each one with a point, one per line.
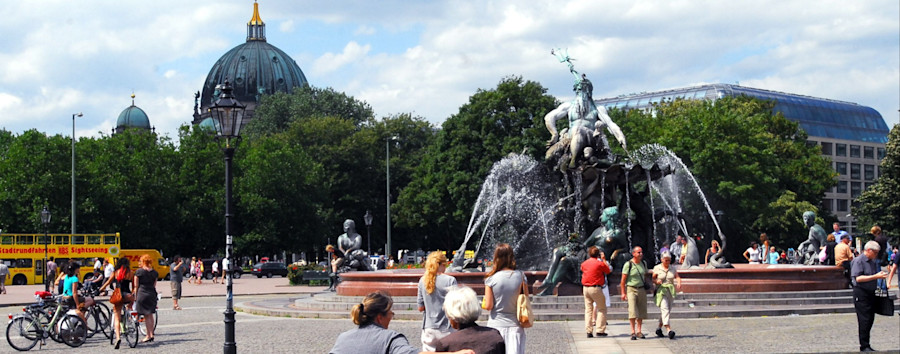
(295, 272)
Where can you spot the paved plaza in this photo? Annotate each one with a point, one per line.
(199, 329)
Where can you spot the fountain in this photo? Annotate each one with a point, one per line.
(584, 195)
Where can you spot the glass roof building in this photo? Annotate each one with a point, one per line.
(852, 135)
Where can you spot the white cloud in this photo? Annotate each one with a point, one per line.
(364, 30)
(286, 26)
(331, 62)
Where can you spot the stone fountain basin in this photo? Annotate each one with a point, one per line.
(741, 278)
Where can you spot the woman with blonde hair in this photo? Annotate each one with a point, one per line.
(432, 289)
(145, 290)
(373, 316)
(501, 291)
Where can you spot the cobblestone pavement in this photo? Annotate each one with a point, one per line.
(199, 329)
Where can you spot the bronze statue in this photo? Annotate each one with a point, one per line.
(350, 244)
(810, 248)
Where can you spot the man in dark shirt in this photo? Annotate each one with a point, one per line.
(176, 274)
(865, 270)
(593, 279)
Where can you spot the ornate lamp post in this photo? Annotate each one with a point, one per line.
(368, 219)
(73, 168)
(228, 114)
(45, 219)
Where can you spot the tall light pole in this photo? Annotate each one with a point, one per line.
(368, 219)
(45, 219)
(228, 115)
(73, 168)
(388, 164)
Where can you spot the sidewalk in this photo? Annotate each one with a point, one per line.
(246, 285)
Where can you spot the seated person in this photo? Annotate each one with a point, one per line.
(462, 309)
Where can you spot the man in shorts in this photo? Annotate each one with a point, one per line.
(176, 275)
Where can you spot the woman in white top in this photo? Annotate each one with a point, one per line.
(753, 253)
(433, 288)
(501, 291)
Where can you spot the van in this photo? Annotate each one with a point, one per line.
(159, 263)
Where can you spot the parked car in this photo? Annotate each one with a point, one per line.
(207, 268)
(269, 269)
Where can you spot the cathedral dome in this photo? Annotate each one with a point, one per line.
(132, 117)
(254, 68)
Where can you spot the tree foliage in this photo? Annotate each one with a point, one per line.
(494, 123)
(880, 203)
(277, 111)
(750, 163)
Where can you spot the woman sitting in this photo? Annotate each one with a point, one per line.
(372, 336)
(462, 309)
(70, 290)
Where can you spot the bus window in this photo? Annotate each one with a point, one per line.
(61, 239)
(110, 240)
(23, 263)
(24, 239)
(6, 240)
(93, 240)
(77, 239)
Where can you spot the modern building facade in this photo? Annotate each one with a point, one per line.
(851, 135)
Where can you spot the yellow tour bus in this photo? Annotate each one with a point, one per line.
(23, 254)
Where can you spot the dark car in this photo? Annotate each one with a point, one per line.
(269, 269)
(207, 269)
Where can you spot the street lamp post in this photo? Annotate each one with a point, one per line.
(45, 219)
(73, 168)
(228, 113)
(388, 169)
(368, 219)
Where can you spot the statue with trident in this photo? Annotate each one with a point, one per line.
(586, 120)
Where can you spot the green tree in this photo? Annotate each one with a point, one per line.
(745, 158)
(275, 112)
(494, 123)
(34, 172)
(880, 203)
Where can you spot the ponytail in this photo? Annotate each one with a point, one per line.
(374, 304)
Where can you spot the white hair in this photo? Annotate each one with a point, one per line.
(666, 254)
(872, 245)
(461, 305)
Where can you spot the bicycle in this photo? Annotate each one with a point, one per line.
(128, 327)
(98, 315)
(24, 331)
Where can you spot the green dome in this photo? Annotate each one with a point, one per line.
(254, 68)
(133, 117)
(208, 124)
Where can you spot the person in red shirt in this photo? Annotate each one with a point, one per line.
(593, 280)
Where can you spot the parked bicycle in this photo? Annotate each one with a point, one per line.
(24, 331)
(97, 315)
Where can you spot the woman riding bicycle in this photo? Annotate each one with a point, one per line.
(70, 290)
(123, 276)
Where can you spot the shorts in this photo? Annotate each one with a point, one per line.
(637, 302)
(176, 289)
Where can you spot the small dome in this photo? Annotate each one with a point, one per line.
(133, 117)
(208, 124)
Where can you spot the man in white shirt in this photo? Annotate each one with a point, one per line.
(98, 266)
(4, 271)
(108, 270)
(225, 267)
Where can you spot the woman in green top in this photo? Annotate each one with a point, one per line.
(632, 288)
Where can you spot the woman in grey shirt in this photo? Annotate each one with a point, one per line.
(433, 287)
(501, 292)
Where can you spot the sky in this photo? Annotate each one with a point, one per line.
(58, 58)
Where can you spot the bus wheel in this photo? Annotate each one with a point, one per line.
(19, 279)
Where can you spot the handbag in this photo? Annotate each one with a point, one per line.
(523, 310)
(116, 297)
(883, 304)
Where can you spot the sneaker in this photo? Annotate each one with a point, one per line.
(671, 334)
(659, 332)
(602, 334)
(590, 335)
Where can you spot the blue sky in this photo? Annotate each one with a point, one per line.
(427, 57)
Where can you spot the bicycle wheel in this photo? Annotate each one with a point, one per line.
(130, 328)
(97, 321)
(72, 330)
(22, 333)
(104, 319)
(142, 323)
